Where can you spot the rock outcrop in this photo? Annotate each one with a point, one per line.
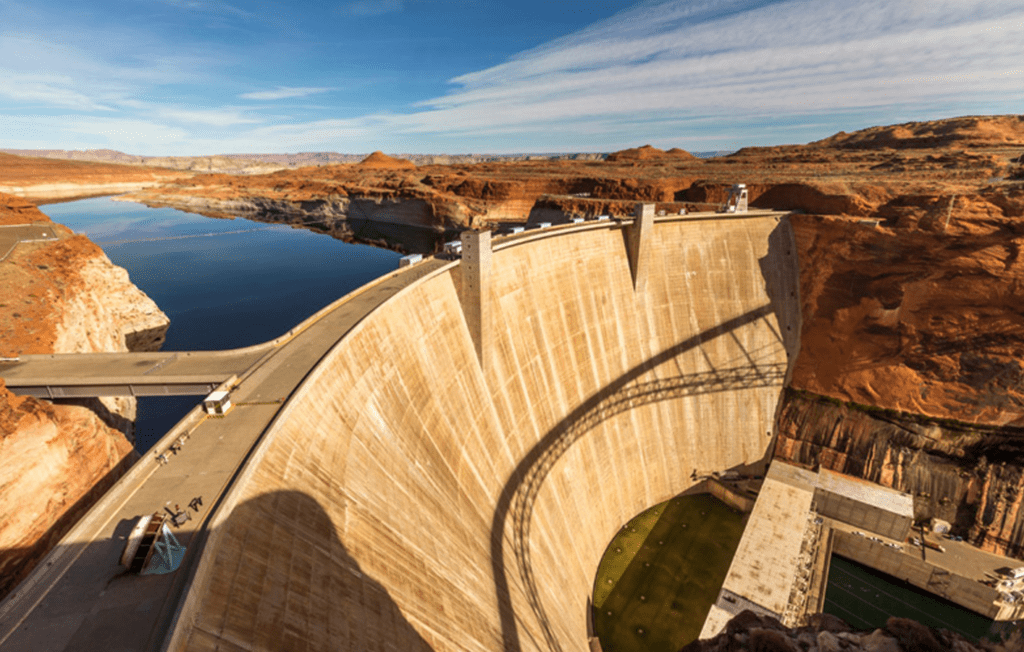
(972, 131)
(971, 476)
(61, 295)
(55, 461)
(825, 633)
(381, 161)
(648, 153)
(915, 317)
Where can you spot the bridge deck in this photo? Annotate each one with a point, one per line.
(126, 374)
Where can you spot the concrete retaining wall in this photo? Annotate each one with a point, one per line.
(964, 591)
(731, 497)
(409, 497)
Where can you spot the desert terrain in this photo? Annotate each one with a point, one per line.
(43, 180)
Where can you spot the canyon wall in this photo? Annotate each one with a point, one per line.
(55, 461)
(411, 496)
(917, 316)
(969, 475)
(911, 373)
(61, 295)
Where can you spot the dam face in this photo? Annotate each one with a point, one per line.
(410, 497)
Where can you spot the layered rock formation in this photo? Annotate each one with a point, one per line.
(42, 180)
(974, 161)
(61, 295)
(969, 475)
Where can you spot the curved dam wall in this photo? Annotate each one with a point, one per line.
(409, 497)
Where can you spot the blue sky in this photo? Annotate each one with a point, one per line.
(189, 77)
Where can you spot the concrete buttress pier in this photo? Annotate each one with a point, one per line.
(638, 237)
(475, 292)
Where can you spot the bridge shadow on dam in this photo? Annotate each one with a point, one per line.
(516, 502)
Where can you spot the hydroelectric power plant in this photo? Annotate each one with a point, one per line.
(438, 460)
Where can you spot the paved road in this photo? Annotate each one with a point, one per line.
(81, 599)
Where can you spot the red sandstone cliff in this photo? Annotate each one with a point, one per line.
(55, 460)
(924, 319)
(60, 296)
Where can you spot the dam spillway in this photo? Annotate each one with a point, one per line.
(408, 496)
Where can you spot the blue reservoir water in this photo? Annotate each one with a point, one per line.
(223, 283)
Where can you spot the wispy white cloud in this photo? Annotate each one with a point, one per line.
(735, 59)
(370, 7)
(208, 6)
(670, 71)
(135, 135)
(47, 92)
(284, 92)
(222, 117)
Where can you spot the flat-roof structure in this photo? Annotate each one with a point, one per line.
(768, 559)
(864, 504)
(775, 560)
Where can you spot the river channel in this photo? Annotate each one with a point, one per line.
(223, 283)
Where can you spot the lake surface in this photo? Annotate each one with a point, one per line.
(224, 283)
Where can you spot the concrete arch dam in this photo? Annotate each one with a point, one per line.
(449, 449)
(409, 496)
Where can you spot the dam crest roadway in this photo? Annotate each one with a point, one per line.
(438, 459)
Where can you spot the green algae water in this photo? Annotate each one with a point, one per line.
(865, 598)
(662, 572)
(224, 283)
